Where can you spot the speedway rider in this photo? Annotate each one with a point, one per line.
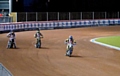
(38, 35)
(70, 39)
(11, 36)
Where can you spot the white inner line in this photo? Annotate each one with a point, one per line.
(103, 44)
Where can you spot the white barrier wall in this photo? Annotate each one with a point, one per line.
(4, 71)
(57, 24)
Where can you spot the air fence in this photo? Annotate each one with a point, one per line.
(4, 71)
(44, 25)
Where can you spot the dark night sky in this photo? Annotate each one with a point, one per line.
(28, 5)
(61, 5)
(27, 2)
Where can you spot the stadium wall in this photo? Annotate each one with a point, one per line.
(44, 25)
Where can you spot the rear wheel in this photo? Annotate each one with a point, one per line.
(68, 53)
(8, 46)
(39, 44)
(11, 45)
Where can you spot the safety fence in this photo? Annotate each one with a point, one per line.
(57, 16)
(5, 19)
(57, 24)
(50, 16)
(4, 71)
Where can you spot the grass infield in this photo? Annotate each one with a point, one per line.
(113, 40)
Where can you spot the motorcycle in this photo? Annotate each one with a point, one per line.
(38, 44)
(70, 49)
(11, 43)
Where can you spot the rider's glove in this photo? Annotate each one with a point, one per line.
(34, 36)
(74, 43)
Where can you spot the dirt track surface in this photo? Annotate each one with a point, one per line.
(88, 59)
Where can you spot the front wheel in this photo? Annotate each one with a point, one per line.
(38, 44)
(10, 44)
(68, 53)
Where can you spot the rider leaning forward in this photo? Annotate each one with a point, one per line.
(11, 35)
(38, 35)
(69, 39)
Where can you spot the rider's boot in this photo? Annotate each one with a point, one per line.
(40, 43)
(66, 51)
(36, 45)
(14, 45)
(7, 46)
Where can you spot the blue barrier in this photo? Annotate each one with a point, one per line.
(57, 24)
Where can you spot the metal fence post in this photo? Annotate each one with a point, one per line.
(16, 17)
(26, 16)
(47, 16)
(105, 15)
(7, 19)
(93, 15)
(36, 16)
(58, 16)
(118, 14)
(69, 15)
(81, 15)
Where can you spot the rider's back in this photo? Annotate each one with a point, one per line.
(11, 35)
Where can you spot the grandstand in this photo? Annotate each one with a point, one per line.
(6, 11)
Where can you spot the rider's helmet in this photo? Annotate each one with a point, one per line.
(70, 37)
(38, 30)
(11, 31)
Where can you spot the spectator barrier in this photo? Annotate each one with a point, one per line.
(44, 25)
(5, 19)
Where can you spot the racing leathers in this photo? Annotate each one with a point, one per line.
(38, 36)
(11, 36)
(69, 40)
